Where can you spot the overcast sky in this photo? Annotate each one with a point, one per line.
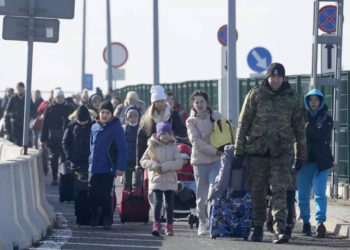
(189, 49)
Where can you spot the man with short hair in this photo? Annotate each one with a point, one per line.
(15, 111)
(269, 124)
(54, 122)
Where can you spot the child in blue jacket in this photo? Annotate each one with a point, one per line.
(108, 154)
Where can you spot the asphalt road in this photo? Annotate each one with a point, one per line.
(67, 235)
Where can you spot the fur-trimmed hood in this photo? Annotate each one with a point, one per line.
(153, 141)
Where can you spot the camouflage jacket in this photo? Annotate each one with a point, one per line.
(271, 121)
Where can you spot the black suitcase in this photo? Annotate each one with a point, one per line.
(66, 182)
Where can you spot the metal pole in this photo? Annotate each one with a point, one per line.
(232, 86)
(155, 44)
(314, 47)
(83, 53)
(109, 48)
(29, 77)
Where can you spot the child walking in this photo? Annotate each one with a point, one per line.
(161, 159)
(107, 160)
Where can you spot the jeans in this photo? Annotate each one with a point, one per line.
(36, 136)
(205, 175)
(132, 178)
(189, 184)
(310, 177)
(169, 205)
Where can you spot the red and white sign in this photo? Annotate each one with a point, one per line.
(119, 55)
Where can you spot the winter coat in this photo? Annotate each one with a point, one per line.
(108, 149)
(270, 122)
(179, 131)
(37, 103)
(169, 159)
(76, 144)
(131, 138)
(54, 123)
(199, 128)
(318, 133)
(182, 114)
(15, 109)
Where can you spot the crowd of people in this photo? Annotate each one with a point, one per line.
(281, 138)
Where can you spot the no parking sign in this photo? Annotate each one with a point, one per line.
(327, 18)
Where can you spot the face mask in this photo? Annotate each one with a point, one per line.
(133, 124)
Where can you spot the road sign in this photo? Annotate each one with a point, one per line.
(222, 35)
(119, 55)
(259, 59)
(16, 28)
(327, 18)
(328, 58)
(43, 8)
(88, 81)
(117, 74)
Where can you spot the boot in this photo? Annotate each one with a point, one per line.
(307, 229)
(320, 230)
(156, 228)
(258, 234)
(169, 230)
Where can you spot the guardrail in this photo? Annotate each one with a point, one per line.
(25, 214)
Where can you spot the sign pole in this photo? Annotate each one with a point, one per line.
(232, 86)
(155, 44)
(83, 52)
(29, 77)
(109, 48)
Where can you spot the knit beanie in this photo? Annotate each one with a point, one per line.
(275, 69)
(132, 107)
(106, 105)
(157, 93)
(163, 127)
(83, 114)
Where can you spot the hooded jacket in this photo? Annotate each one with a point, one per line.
(270, 122)
(318, 133)
(108, 148)
(168, 157)
(200, 127)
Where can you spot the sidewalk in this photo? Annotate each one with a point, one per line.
(338, 217)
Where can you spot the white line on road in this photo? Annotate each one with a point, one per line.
(112, 245)
(111, 239)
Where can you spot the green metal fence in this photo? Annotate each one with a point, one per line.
(300, 83)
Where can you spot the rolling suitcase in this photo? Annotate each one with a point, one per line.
(134, 205)
(231, 214)
(66, 182)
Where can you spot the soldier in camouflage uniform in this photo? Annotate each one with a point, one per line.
(269, 124)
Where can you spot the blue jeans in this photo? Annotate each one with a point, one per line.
(205, 175)
(310, 177)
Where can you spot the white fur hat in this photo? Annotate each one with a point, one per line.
(157, 93)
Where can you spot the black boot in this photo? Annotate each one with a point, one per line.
(320, 230)
(307, 229)
(280, 237)
(257, 234)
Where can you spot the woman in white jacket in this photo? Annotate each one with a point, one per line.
(205, 158)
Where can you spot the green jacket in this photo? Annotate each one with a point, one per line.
(271, 121)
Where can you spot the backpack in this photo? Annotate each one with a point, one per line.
(222, 134)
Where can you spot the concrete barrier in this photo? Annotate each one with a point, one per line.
(25, 215)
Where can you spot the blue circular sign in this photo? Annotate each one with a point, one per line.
(327, 18)
(259, 59)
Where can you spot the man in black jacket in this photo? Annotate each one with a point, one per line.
(54, 122)
(76, 140)
(15, 111)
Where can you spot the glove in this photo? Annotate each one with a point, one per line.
(298, 165)
(237, 161)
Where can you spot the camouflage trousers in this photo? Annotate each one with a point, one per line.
(276, 172)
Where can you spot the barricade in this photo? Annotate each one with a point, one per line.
(25, 215)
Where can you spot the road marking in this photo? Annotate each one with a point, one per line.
(112, 245)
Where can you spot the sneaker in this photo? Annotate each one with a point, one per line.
(258, 234)
(156, 228)
(307, 229)
(280, 237)
(320, 230)
(202, 228)
(169, 230)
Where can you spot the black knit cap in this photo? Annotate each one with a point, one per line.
(275, 69)
(83, 114)
(106, 105)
